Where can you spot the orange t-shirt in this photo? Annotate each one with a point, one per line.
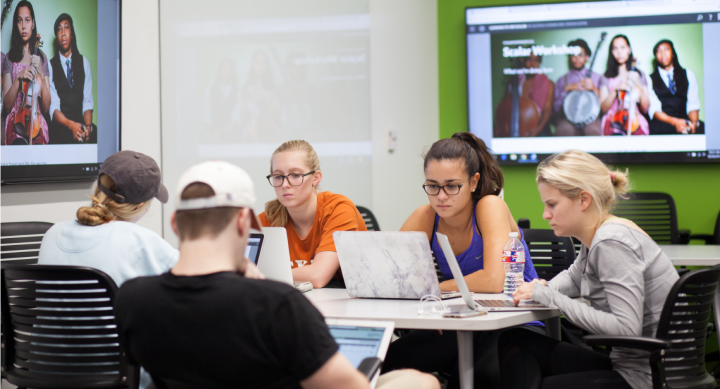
(334, 213)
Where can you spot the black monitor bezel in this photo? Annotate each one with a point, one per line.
(614, 158)
(93, 168)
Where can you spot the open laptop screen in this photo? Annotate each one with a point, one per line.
(357, 343)
(252, 250)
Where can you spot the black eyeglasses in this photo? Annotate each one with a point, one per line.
(450, 189)
(294, 179)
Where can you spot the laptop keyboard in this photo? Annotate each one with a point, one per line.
(495, 303)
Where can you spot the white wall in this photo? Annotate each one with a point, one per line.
(140, 125)
(404, 98)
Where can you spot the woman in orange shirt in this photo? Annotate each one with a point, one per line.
(309, 216)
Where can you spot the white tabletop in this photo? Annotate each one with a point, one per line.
(692, 255)
(336, 304)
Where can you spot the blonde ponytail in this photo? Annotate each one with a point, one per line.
(275, 212)
(103, 209)
(574, 171)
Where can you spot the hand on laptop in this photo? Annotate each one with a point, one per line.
(525, 291)
(251, 271)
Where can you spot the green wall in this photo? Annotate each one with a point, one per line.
(695, 187)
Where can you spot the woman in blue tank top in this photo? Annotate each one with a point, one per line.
(462, 181)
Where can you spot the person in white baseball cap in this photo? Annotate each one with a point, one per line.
(210, 323)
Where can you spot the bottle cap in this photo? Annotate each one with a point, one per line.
(513, 234)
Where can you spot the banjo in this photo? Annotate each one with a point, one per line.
(582, 107)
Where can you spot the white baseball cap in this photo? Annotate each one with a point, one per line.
(231, 184)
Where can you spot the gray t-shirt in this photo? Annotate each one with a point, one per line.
(626, 278)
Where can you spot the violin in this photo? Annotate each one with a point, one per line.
(625, 120)
(27, 118)
(515, 115)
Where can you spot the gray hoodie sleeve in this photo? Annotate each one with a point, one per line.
(568, 281)
(615, 270)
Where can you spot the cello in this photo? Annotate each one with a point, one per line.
(27, 122)
(515, 115)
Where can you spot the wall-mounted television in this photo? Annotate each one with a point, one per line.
(61, 89)
(628, 81)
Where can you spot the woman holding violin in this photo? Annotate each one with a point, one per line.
(25, 63)
(623, 92)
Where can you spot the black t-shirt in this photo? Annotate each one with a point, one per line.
(221, 330)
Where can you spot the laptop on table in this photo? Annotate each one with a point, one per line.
(274, 259)
(382, 264)
(492, 304)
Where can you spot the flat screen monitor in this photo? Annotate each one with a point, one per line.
(630, 81)
(66, 122)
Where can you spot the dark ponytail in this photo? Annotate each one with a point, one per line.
(477, 157)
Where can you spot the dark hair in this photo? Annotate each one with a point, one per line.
(581, 42)
(73, 38)
(197, 223)
(675, 60)
(477, 157)
(612, 64)
(15, 54)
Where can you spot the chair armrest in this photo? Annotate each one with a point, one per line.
(369, 366)
(707, 238)
(683, 236)
(638, 342)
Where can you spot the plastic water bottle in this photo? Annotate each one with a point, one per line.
(513, 263)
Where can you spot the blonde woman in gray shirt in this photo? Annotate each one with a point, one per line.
(620, 271)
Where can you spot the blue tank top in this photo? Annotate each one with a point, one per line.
(471, 260)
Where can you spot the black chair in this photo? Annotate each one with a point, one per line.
(677, 353)
(63, 329)
(368, 366)
(710, 239)
(655, 213)
(20, 242)
(550, 253)
(523, 223)
(370, 221)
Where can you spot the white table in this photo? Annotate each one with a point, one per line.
(336, 304)
(692, 255)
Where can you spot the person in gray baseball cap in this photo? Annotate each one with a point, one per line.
(105, 236)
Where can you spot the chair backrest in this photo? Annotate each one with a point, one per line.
(655, 213)
(370, 221)
(61, 329)
(20, 242)
(550, 253)
(683, 322)
(716, 232)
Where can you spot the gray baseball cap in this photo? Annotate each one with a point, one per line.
(137, 178)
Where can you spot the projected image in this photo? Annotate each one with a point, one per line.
(53, 101)
(608, 81)
(60, 85)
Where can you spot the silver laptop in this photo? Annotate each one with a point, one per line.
(381, 264)
(274, 259)
(496, 303)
